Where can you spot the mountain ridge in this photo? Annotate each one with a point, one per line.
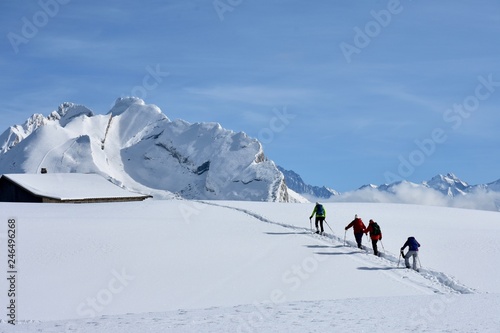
(449, 185)
(137, 147)
(441, 190)
(295, 182)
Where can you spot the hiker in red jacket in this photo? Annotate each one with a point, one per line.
(375, 234)
(359, 228)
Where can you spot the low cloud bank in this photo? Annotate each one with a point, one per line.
(414, 194)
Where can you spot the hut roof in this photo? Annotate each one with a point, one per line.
(70, 186)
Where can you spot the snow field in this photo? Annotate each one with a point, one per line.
(184, 266)
(452, 239)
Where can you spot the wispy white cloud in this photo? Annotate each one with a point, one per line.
(396, 93)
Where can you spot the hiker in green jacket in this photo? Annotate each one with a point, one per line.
(320, 212)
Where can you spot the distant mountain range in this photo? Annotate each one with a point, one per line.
(449, 185)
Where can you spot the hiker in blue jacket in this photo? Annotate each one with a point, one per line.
(320, 212)
(413, 246)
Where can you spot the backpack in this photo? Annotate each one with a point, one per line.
(320, 210)
(376, 229)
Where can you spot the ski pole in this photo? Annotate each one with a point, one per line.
(419, 263)
(311, 224)
(382, 245)
(399, 259)
(329, 226)
(344, 236)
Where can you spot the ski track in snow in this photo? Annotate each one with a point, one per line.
(441, 282)
(69, 143)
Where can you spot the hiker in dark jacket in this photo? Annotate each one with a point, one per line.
(375, 235)
(320, 212)
(413, 246)
(359, 228)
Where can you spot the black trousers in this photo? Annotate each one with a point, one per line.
(319, 220)
(374, 244)
(359, 238)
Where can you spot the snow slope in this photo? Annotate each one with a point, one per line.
(229, 266)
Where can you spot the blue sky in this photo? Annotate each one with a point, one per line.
(344, 93)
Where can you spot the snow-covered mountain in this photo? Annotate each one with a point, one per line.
(294, 181)
(138, 147)
(493, 186)
(442, 190)
(15, 134)
(449, 185)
